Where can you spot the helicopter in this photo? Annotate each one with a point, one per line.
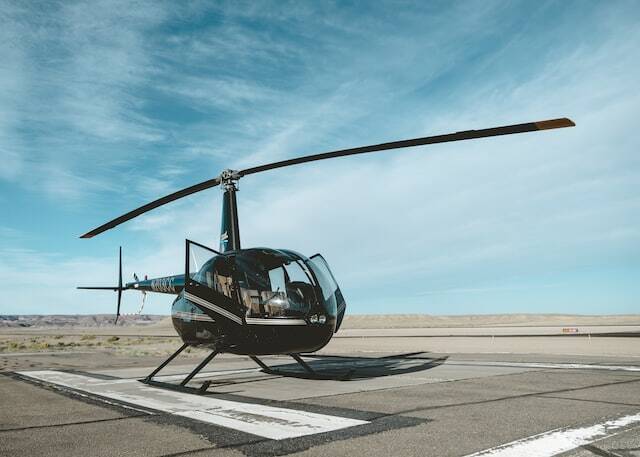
(261, 301)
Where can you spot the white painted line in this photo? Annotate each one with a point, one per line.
(262, 420)
(558, 366)
(561, 440)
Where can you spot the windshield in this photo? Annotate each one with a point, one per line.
(330, 291)
(273, 284)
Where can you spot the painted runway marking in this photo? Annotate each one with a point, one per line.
(555, 366)
(206, 374)
(562, 440)
(262, 420)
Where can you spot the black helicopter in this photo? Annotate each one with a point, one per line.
(261, 301)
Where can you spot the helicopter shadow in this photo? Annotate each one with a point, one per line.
(350, 368)
(323, 367)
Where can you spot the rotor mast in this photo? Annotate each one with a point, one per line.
(229, 228)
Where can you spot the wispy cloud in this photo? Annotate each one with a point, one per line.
(106, 106)
(72, 83)
(466, 290)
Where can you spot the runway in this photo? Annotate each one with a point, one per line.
(414, 403)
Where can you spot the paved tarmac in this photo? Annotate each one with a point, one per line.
(411, 403)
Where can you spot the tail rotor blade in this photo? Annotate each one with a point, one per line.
(120, 268)
(119, 285)
(118, 309)
(119, 288)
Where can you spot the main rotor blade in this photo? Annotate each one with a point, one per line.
(154, 204)
(458, 136)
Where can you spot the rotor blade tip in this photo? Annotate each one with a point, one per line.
(555, 124)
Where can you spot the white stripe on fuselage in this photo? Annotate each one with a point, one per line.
(193, 316)
(276, 321)
(212, 307)
(250, 320)
(237, 319)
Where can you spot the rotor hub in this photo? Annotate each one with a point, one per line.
(229, 179)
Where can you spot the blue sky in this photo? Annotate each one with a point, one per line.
(107, 105)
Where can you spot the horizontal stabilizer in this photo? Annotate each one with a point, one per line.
(114, 288)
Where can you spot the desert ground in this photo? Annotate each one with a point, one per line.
(410, 385)
(519, 333)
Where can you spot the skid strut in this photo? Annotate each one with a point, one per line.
(267, 369)
(309, 373)
(149, 379)
(197, 369)
(302, 363)
(165, 363)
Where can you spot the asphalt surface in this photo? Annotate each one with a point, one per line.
(413, 403)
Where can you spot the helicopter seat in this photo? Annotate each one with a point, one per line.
(298, 294)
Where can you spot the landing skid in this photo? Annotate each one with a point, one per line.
(183, 384)
(307, 373)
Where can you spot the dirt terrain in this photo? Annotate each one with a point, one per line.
(351, 321)
(155, 335)
(375, 321)
(75, 320)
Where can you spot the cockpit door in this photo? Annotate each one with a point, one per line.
(209, 283)
(329, 286)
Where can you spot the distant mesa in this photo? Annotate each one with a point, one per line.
(354, 321)
(76, 320)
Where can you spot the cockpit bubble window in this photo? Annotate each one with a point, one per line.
(325, 278)
(276, 277)
(299, 287)
(216, 274)
(296, 273)
(327, 283)
(272, 285)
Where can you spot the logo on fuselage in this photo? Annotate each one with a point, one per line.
(163, 285)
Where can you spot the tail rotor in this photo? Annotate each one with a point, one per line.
(119, 288)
